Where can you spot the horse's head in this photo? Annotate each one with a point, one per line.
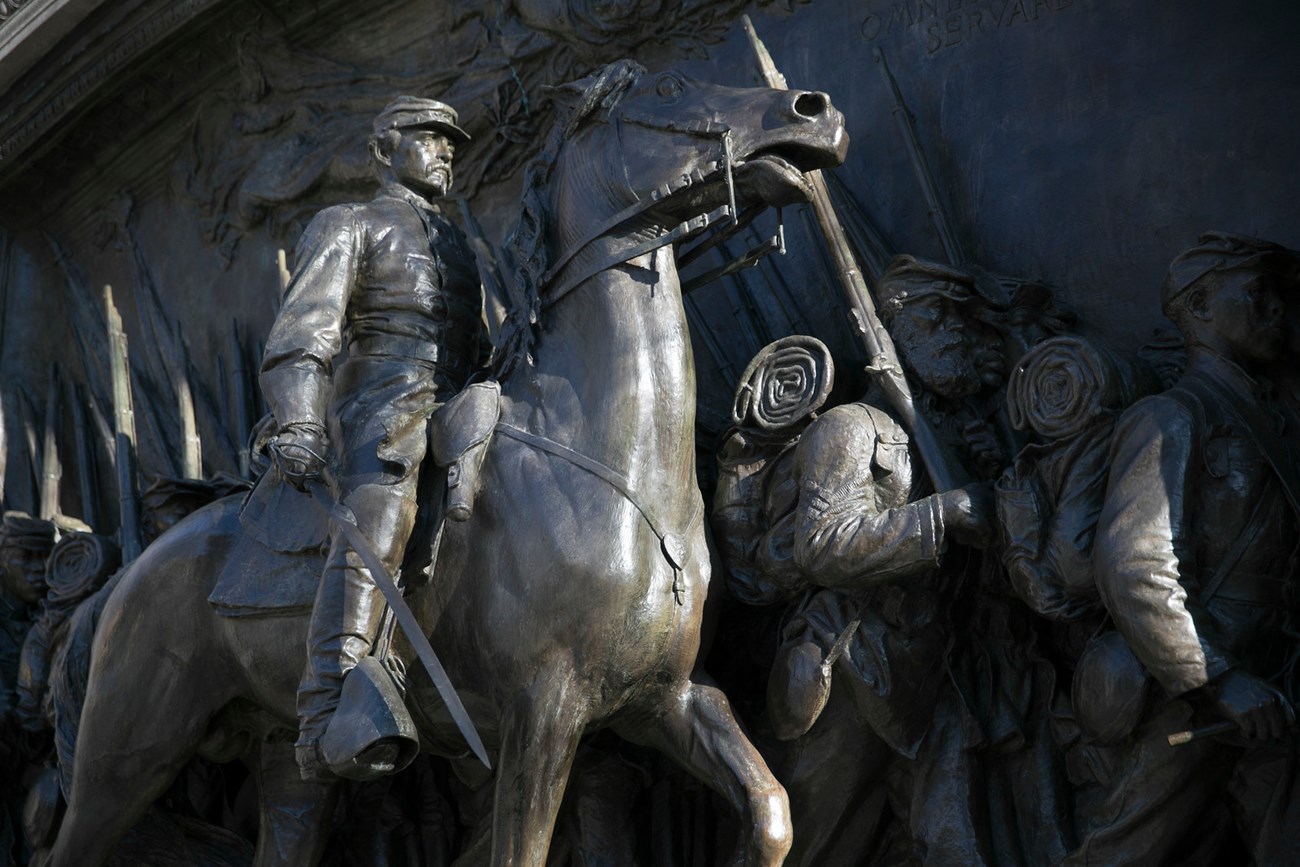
(635, 154)
(637, 137)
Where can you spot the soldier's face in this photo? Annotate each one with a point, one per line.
(24, 575)
(945, 346)
(1247, 314)
(422, 161)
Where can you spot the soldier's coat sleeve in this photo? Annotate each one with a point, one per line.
(298, 363)
(854, 526)
(1143, 555)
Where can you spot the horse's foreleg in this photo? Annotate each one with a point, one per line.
(695, 726)
(538, 740)
(294, 814)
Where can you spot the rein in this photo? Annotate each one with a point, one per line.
(671, 544)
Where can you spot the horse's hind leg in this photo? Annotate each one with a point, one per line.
(696, 727)
(294, 821)
(539, 738)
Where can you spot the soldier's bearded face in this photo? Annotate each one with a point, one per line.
(939, 346)
(422, 162)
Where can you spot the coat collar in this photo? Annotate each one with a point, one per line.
(397, 191)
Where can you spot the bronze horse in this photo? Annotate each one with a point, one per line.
(572, 600)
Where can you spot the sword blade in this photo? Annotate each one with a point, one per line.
(405, 618)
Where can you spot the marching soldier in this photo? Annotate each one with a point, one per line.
(1195, 560)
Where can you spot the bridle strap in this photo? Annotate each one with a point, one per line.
(695, 224)
(639, 207)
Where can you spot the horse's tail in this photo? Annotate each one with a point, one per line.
(71, 677)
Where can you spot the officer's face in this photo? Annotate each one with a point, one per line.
(422, 161)
(1247, 313)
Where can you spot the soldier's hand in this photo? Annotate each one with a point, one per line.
(1260, 711)
(984, 448)
(299, 451)
(969, 514)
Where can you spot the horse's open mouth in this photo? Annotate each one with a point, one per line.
(773, 179)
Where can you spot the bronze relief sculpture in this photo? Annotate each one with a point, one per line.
(1022, 599)
(550, 628)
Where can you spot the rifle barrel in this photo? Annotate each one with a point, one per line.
(124, 432)
(884, 364)
(920, 166)
(87, 471)
(239, 394)
(51, 466)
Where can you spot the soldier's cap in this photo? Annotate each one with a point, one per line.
(20, 530)
(413, 112)
(909, 279)
(1219, 252)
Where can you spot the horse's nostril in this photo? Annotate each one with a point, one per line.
(810, 104)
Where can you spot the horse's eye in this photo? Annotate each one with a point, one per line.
(669, 86)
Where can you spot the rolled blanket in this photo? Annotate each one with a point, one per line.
(78, 566)
(1064, 384)
(785, 384)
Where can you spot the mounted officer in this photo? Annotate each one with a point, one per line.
(396, 282)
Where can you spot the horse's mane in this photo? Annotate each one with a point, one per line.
(530, 242)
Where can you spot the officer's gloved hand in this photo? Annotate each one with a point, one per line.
(299, 451)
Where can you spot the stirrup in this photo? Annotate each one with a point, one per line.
(371, 733)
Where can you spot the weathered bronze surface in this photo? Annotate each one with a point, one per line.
(1000, 558)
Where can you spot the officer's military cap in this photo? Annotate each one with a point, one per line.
(413, 112)
(1218, 252)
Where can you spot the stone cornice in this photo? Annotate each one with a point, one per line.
(50, 88)
(30, 28)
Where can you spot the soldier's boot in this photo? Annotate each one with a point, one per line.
(462, 482)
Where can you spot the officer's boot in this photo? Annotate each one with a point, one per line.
(371, 732)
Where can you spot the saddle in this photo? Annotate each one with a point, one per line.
(282, 550)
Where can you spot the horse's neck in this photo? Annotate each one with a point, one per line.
(614, 377)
